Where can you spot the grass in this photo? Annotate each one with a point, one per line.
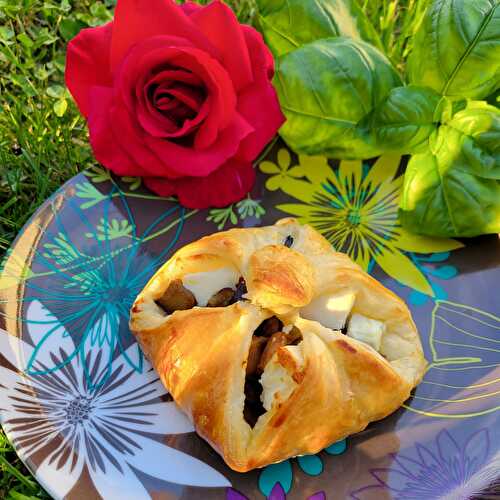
(43, 139)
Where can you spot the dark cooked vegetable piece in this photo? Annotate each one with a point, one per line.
(294, 336)
(176, 298)
(268, 327)
(241, 289)
(253, 408)
(288, 241)
(254, 354)
(262, 349)
(222, 298)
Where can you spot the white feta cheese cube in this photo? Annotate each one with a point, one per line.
(330, 310)
(366, 330)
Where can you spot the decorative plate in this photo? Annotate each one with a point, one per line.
(89, 417)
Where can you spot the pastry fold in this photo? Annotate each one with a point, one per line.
(317, 387)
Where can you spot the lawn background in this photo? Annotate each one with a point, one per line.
(43, 139)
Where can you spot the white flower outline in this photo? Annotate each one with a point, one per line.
(74, 425)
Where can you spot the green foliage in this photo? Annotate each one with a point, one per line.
(405, 119)
(16, 482)
(453, 189)
(289, 24)
(396, 22)
(325, 88)
(457, 49)
(341, 97)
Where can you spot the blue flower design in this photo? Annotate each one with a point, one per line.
(443, 469)
(282, 472)
(88, 270)
(431, 266)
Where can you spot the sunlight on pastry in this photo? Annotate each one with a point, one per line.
(331, 351)
(205, 284)
(330, 310)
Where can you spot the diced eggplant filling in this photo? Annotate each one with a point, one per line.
(268, 327)
(266, 340)
(255, 354)
(228, 296)
(241, 289)
(222, 298)
(277, 340)
(253, 408)
(176, 298)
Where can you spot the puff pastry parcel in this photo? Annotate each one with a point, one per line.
(274, 344)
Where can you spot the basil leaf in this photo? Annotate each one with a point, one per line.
(289, 24)
(325, 88)
(457, 48)
(454, 188)
(405, 119)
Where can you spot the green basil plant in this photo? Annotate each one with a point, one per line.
(343, 98)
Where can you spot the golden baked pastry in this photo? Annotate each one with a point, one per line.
(274, 344)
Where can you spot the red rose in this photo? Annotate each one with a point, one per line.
(180, 95)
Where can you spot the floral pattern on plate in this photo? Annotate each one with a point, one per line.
(356, 208)
(111, 429)
(445, 469)
(86, 412)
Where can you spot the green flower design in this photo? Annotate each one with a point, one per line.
(244, 208)
(61, 250)
(356, 209)
(98, 174)
(250, 208)
(281, 170)
(112, 230)
(134, 182)
(88, 192)
(220, 216)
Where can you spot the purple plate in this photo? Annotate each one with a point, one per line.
(89, 417)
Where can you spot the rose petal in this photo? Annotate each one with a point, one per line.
(166, 158)
(139, 20)
(161, 185)
(106, 148)
(154, 123)
(220, 93)
(159, 119)
(226, 185)
(259, 103)
(200, 162)
(158, 52)
(151, 117)
(219, 24)
(189, 96)
(190, 7)
(142, 63)
(133, 141)
(87, 63)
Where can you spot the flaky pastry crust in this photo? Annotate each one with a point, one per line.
(323, 389)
